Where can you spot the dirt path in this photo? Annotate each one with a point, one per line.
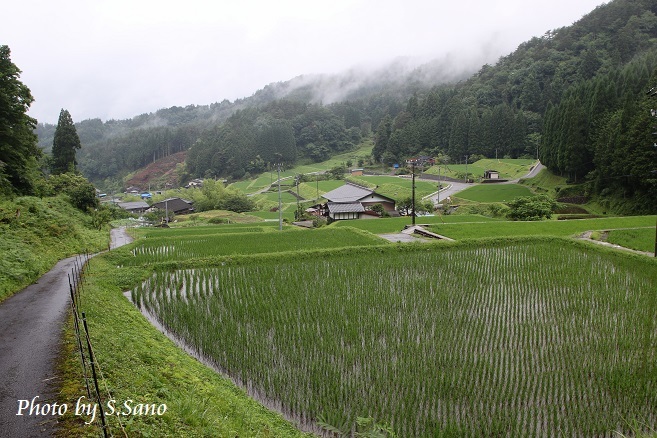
(31, 324)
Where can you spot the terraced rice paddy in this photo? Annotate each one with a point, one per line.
(529, 338)
(177, 247)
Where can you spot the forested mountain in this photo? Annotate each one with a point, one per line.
(113, 148)
(575, 96)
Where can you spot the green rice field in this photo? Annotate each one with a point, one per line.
(494, 193)
(396, 224)
(640, 239)
(564, 228)
(174, 248)
(529, 337)
(150, 232)
(460, 227)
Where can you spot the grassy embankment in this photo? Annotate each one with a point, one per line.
(509, 169)
(35, 233)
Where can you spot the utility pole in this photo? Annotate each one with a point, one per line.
(413, 191)
(280, 211)
(298, 181)
(439, 185)
(466, 168)
(653, 93)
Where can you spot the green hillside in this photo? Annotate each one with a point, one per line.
(38, 232)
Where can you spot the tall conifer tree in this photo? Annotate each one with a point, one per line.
(65, 144)
(18, 143)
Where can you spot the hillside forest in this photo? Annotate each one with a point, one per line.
(575, 97)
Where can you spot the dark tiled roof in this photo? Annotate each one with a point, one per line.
(348, 193)
(345, 207)
(135, 205)
(173, 204)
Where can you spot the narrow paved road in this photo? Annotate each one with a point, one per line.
(31, 324)
(455, 187)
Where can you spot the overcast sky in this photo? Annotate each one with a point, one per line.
(115, 59)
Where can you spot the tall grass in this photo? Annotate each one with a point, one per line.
(35, 233)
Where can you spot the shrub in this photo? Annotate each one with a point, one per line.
(532, 208)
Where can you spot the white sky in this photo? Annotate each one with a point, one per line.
(116, 59)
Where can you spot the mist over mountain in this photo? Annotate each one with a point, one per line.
(401, 77)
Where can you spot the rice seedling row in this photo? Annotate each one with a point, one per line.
(520, 339)
(179, 247)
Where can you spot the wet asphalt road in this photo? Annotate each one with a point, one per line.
(31, 324)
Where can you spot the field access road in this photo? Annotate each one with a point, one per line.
(532, 173)
(455, 187)
(31, 323)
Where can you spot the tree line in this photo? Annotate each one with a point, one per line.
(284, 131)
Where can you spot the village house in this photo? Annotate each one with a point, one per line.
(422, 161)
(175, 206)
(196, 182)
(134, 206)
(352, 201)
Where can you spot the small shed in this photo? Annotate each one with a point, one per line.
(491, 174)
(356, 172)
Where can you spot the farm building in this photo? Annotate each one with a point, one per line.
(134, 207)
(491, 174)
(352, 201)
(196, 182)
(175, 205)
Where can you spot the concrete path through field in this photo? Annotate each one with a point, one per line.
(31, 324)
